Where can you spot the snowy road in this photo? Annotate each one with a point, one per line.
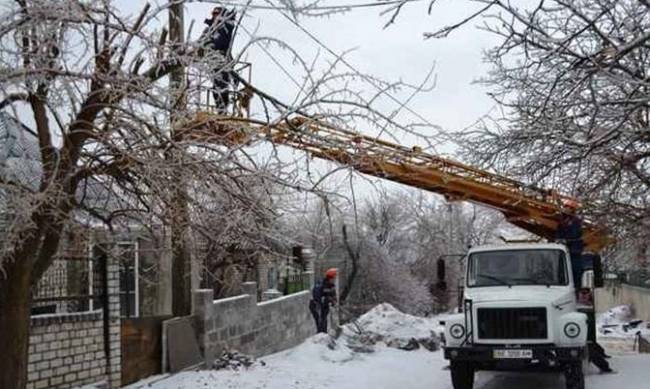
(313, 366)
(632, 372)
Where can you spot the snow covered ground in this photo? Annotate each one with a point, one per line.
(320, 363)
(618, 329)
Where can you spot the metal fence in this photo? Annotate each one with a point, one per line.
(638, 278)
(293, 281)
(70, 285)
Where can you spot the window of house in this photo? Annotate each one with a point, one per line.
(127, 254)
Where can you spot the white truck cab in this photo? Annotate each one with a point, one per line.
(519, 312)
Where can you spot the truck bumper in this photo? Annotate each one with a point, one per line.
(542, 356)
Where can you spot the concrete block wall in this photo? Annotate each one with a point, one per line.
(241, 323)
(67, 350)
(615, 293)
(287, 322)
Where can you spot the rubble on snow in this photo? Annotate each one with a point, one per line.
(233, 360)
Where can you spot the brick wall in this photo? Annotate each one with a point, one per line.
(67, 349)
(241, 323)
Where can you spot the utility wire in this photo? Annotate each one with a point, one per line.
(284, 70)
(275, 61)
(351, 67)
(338, 7)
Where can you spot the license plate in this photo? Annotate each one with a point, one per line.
(513, 354)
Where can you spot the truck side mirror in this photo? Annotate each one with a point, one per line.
(594, 262)
(599, 282)
(441, 274)
(441, 270)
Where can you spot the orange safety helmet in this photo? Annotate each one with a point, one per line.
(331, 273)
(570, 204)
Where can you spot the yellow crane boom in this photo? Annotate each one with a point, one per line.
(534, 209)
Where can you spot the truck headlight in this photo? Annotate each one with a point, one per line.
(572, 330)
(457, 331)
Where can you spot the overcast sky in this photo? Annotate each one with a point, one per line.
(396, 53)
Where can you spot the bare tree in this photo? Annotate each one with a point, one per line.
(89, 84)
(445, 231)
(389, 252)
(71, 67)
(572, 79)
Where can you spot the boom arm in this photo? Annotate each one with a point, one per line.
(534, 209)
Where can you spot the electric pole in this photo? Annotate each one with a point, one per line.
(179, 212)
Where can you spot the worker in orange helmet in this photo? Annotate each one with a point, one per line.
(323, 295)
(570, 204)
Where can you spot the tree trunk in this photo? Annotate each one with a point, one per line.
(181, 260)
(181, 255)
(15, 303)
(21, 270)
(354, 258)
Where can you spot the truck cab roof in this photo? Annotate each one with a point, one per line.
(517, 246)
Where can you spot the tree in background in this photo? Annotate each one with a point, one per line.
(89, 84)
(571, 79)
(391, 243)
(446, 231)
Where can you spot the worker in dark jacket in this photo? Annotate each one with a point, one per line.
(323, 295)
(570, 231)
(218, 37)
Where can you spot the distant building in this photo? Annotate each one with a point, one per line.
(139, 250)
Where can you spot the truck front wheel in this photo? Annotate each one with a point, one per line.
(462, 375)
(574, 376)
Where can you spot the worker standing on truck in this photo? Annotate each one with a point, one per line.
(218, 37)
(323, 295)
(570, 231)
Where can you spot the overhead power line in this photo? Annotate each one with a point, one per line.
(273, 59)
(336, 7)
(372, 82)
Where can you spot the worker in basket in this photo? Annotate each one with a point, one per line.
(323, 295)
(217, 38)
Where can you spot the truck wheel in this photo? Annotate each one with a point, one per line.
(462, 375)
(574, 376)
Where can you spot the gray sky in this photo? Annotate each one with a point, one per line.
(397, 53)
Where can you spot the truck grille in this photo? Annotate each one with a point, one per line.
(512, 323)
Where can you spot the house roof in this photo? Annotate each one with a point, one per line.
(20, 162)
(20, 158)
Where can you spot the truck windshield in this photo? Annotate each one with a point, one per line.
(517, 267)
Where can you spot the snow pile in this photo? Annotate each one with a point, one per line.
(384, 323)
(619, 333)
(386, 320)
(321, 347)
(616, 315)
(619, 322)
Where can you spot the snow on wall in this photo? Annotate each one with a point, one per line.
(614, 294)
(253, 328)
